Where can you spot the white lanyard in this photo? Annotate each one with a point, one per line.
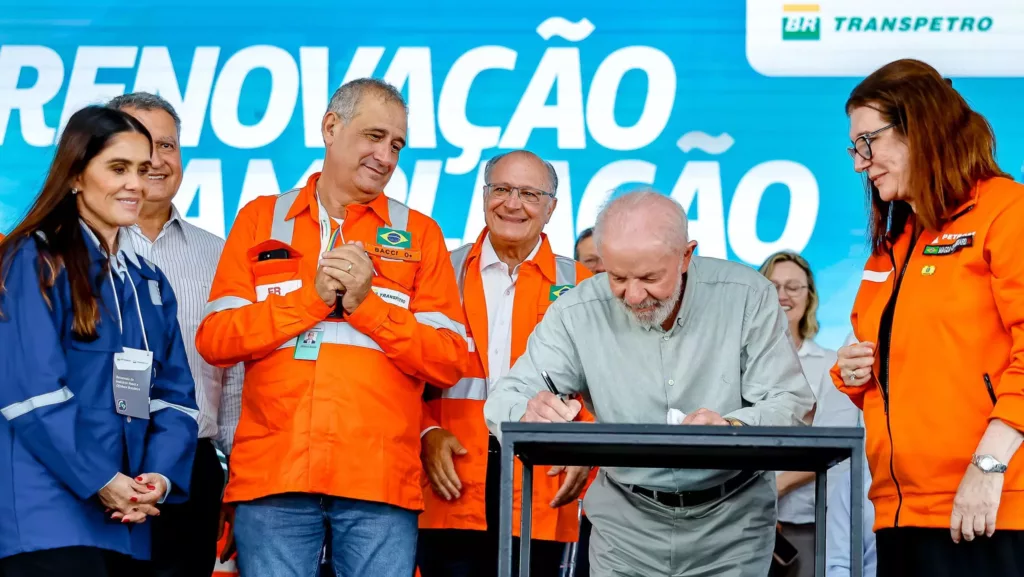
(117, 306)
(325, 226)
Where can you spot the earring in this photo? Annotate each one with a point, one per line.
(74, 191)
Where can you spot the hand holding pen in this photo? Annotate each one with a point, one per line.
(550, 406)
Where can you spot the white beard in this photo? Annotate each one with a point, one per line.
(661, 308)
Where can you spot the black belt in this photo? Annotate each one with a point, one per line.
(694, 498)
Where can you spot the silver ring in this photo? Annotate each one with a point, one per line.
(349, 269)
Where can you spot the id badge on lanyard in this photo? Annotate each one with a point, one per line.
(133, 368)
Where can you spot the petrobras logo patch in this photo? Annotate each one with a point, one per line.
(801, 22)
(842, 38)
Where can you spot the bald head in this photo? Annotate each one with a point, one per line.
(645, 218)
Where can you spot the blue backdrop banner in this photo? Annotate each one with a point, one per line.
(734, 109)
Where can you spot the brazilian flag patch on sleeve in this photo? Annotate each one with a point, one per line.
(392, 238)
(558, 290)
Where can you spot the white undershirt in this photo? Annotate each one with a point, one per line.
(499, 295)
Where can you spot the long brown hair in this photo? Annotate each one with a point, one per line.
(951, 147)
(55, 213)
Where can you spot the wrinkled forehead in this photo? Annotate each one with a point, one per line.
(864, 120)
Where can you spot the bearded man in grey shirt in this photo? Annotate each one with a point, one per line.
(663, 332)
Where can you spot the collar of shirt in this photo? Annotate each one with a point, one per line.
(124, 250)
(489, 258)
(174, 220)
(810, 348)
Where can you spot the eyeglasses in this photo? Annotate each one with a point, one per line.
(792, 289)
(862, 145)
(505, 191)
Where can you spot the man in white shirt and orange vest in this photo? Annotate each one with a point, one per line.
(507, 279)
(329, 431)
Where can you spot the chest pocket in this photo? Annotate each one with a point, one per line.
(395, 281)
(276, 276)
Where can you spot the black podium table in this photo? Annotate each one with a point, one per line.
(814, 449)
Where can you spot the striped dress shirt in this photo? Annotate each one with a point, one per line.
(188, 256)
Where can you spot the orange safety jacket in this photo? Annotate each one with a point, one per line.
(460, 409)
(946, 314)
(346, 424)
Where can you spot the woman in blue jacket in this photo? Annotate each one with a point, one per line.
(99, 413)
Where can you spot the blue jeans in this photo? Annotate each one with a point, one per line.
(283, 535)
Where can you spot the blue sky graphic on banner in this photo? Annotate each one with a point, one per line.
(735, 109)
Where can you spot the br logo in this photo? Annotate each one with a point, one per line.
(122, 405)
(558, 290)
(394, 238)
(801, 22)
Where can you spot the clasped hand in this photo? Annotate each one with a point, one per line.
(347, 270)
(132, 500)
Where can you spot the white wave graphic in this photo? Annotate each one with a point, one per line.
(562, 28)
(705, 142)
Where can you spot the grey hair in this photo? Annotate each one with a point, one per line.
(145, 101)
(345, 100)
(676, 235)
(552, 175)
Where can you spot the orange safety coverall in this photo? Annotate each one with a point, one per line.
(460, 409)
(346, 424)
(955, 324)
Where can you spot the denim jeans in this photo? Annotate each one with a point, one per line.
(282, 536)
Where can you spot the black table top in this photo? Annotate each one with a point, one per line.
(682, 446)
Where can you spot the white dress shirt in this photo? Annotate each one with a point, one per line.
(499, 294)
(188, 257)
(834, 409)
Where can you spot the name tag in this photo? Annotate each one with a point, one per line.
(277, 288)
(393, 253)
(392, 296)
(133, 373)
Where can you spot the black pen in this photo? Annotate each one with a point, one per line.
(551, 385)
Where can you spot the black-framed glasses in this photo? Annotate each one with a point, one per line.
(526, 194)
(862, 145)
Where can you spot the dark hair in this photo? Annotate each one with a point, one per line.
(951, 147)
(587, 233)
(55, 211)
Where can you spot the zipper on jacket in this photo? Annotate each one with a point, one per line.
(991, 391)
(884, 345)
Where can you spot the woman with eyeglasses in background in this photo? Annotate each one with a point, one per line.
(939, 366)
(798, 295)
(98, 404)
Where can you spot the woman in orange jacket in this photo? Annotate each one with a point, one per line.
(939, 366)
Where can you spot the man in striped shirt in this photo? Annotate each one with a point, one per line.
(185, 536)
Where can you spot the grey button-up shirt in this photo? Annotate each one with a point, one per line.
(728, 351)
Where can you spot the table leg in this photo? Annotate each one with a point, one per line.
(857, 511)
(524, 528)
(508, 468)
(820, 497)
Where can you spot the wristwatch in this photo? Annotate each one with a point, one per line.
(733, 421)
(988, 464)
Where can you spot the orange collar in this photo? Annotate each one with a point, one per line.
(544, 260)
(307, 200)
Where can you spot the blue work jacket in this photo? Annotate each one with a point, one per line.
(61, 440)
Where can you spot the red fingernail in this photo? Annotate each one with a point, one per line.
(134, 500)
(124, 519)
(139, 479)
(151, 487)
